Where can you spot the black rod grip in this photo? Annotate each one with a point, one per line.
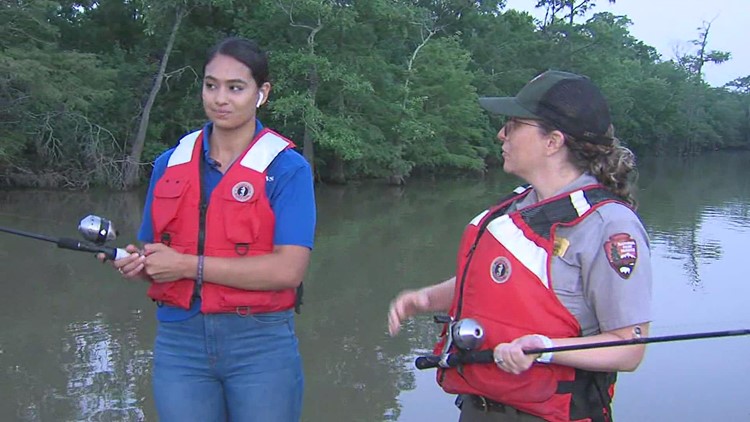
(455, 359)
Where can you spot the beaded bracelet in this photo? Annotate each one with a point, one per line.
(199, 277)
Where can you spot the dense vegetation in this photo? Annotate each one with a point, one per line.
(91, 91)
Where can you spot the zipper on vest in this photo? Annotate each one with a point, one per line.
(470, 254)
(203, 209)
(504, 205)
(202, 229)
(459, 306)
(462, 283)
(201, 244)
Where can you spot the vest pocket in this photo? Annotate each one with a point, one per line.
(177, 293)
(169, 195)
(241, 222)
(536, 385)
(227, 297)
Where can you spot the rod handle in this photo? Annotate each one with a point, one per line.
(426, 362)
(454, 359)
(120, 253)
(77, 245)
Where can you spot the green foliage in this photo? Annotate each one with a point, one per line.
(377, 88)
(447, 109)
(49, 106)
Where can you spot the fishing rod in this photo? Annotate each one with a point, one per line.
(486, 356)
(95, 230)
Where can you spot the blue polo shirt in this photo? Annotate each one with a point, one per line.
(289, 187)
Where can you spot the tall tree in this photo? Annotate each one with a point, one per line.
(695, 105)
(694, 63)
(311, 17)
(570, 9)
(157, 15)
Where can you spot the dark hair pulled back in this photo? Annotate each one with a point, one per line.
(612, 165)
(246, 52)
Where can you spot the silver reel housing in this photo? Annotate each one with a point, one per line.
(97, 229)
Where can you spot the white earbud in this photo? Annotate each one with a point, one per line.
(260, 99)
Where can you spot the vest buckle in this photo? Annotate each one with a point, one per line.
(483, 404)
(241, 248)
(166, 239)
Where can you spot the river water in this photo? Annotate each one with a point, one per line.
(75, 339)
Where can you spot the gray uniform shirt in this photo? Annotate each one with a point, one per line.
(595, 291)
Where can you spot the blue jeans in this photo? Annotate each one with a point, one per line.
(227, 367)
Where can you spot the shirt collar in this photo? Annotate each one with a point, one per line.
(585, 179)
(207, 135)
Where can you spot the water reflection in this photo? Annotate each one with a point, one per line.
(75, 345)
(91, 371)
(75, 342)
(104, 378)
(681, 197)
(372, 241)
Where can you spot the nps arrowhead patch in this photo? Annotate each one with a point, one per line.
(622, 253)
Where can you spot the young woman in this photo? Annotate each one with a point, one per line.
(228, 229)
(562, 261)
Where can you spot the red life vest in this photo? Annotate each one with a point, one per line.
(504, 282)
(237, 221)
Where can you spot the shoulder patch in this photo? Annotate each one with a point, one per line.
(622, 253)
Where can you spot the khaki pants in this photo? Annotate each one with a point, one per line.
(472, 410)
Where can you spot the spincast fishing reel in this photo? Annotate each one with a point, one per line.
(97, 229)
(467, 334)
